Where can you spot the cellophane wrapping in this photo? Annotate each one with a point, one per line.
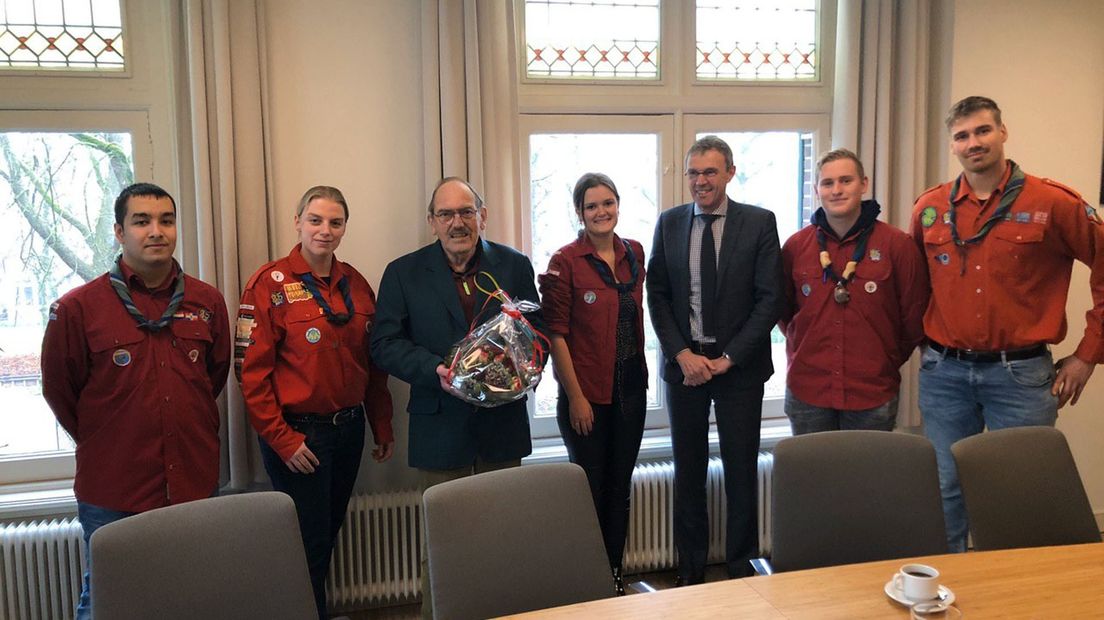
(498, 361)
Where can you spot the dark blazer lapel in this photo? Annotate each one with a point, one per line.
(733, 223)
(680, 253)
(442, 285)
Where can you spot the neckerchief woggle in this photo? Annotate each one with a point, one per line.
(331, 316)
(118, 282)
(1011, 191)
(840, 294)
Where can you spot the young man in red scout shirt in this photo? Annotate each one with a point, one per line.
(131, 365)
(856, 291)
(1000, 246)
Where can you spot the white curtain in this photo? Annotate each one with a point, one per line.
(882, 111)
(470, 107)
(225, 146)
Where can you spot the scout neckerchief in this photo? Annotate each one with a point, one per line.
(1011, 191)
(123, 292)
(840, 294)
(331, 316)
(607, 275)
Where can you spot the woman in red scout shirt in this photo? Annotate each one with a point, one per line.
(301, 355)
(593, 303)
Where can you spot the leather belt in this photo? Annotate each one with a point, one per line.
(708, 349)
(970, 355)
(337, 418)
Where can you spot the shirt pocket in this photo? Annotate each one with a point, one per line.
(876, 272)
(192, 342)
(119, 348)
(308, 333)
(1015, 249)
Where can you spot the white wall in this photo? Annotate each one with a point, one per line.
(346, 110)
(1043, 62)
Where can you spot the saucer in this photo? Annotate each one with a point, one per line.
(946, 596)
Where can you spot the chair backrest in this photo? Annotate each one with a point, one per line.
(239, 556)
(843, 497)
(1022, 489)
(514, 540)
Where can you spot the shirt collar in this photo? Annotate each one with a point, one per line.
(965, 190)
(588, 246)
(472, 264)
(299, 264)
(719, 211)
(135, 282)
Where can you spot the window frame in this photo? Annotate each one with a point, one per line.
(69, 72)
(140, 100)
(691, 104)
(824, 10)
(41, 466)
(663, 127)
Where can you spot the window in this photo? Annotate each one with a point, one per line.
(56, 192)
(560, 150)
(756, 40)
(61, 34)
(592, 39)
(638, 131)
(67, 146)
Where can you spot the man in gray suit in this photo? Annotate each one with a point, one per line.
(715, 292)
(427, 301)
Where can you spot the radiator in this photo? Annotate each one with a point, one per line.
(40, 569)
(377, 557)
(651, 544)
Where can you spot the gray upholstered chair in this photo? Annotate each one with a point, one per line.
(237, 557)
(514, 540)
(1022, 489)
(843, 497)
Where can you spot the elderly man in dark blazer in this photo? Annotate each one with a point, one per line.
(427, 300)
(714, 293)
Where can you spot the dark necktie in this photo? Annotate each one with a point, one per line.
(708, 277)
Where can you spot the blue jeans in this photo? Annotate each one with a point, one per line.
(92, 518)
(321, 498)
(959, 399)
(806, 418)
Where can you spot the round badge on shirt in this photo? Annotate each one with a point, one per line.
(121, 357)
(313, 335)
(277, 276)
(590, 297)
(871, 287)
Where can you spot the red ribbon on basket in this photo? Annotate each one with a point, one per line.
(540, 353)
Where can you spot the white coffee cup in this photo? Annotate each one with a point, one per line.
(918, 582)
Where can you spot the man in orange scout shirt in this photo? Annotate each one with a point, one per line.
(1000, 246)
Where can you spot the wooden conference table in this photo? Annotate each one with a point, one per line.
(1044, 582)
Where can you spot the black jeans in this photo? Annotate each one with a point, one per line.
(322, 497)
(739, 411)
(608, 454)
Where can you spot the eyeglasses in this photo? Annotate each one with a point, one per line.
(709, 173)
(445, 217)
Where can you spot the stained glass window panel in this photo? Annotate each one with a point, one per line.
(597, 39)
(61, 34)
(756, 40)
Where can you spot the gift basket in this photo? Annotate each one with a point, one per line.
(501, 359)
